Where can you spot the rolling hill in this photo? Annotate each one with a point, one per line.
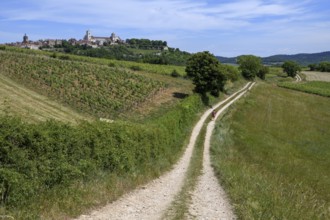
(301, 58)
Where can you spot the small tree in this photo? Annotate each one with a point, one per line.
(249, 65)
(206, 73)
(262, 72)
(291, 68)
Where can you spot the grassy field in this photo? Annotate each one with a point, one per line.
(272, 155)
(314, 87)
(33, 107)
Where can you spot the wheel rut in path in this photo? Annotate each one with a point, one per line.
(209, 200)
(152, 200)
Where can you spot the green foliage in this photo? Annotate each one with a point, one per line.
(206, 72)
(272, 155)
(314, 87)
(249, 65)
(2, 47)
(231, 72)
(36, 158)
(175, 73)
(322, 67)
(150, 68)
(291, 68)
(146, 43)
(96, 89)
(136, 68)
(263, 71)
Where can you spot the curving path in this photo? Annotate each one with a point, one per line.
(152, 200)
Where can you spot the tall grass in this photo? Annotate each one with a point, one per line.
(272, 155)
(314, 87)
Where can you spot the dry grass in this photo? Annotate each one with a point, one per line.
(317, 76)
(17, 100)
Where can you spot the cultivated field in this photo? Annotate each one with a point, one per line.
(317, 76)
(33, 107)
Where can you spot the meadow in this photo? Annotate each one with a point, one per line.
(271, 153)
(314, 87)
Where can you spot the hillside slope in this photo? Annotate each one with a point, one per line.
(302, 58)
(33, 107)
(98, 90)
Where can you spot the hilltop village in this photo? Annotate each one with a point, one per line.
(87, 40)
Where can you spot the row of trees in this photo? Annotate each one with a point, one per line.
(146, 43)
(209, 75)
(323, 67)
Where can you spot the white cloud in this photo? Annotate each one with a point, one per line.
(222, 26)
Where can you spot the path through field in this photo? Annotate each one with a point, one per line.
(152, 200)
(33, 107)
(317, 76)
(209, 200)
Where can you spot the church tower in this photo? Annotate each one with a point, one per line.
(88, 36)
(25, 39)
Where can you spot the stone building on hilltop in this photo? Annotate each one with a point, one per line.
(113, 39)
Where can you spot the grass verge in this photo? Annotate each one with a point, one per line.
(272, 155)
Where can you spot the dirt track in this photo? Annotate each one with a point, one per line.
(152, 200)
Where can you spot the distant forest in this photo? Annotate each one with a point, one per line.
(303, 59)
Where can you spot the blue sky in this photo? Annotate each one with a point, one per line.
(225, 28)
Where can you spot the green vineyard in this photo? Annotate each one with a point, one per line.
(99, 90)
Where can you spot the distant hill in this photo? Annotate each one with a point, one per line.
(302, 58)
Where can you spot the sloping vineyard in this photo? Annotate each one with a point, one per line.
(96, 89)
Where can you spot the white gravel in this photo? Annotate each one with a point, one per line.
(209, 200)
(153, 199)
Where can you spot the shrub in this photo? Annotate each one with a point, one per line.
(135, 68)
(175, 73)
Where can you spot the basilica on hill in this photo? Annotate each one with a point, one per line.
(113, 39)
(88, 39)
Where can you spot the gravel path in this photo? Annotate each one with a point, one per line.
(152, 200)
(209, 200)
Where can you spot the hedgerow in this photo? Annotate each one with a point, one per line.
(35, 158)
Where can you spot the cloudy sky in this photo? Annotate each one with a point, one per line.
(223, 27)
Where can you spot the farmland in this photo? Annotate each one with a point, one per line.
(314, 87)
(272, 152)
(98, 90)
(51, 169)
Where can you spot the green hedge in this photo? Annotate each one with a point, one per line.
(34, 158)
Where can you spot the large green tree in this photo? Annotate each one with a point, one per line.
(249, 65)
(291, 68)
(206, 73)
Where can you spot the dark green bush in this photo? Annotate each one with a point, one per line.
(135, 68)
(175, 73)
(37, 157)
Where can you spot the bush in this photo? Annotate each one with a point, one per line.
(135, 68)
(175, 73)
(36, 158)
